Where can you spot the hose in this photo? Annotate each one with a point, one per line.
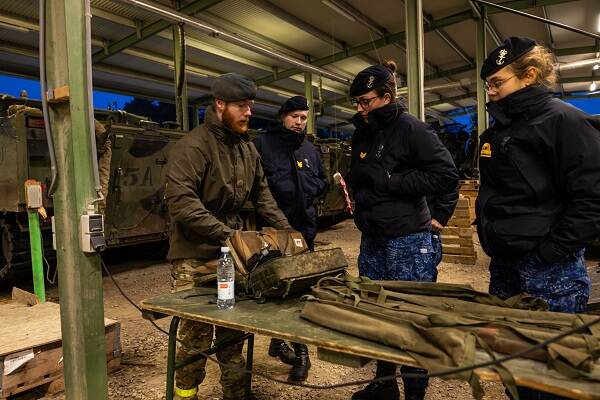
(45, 111)
(88, 56)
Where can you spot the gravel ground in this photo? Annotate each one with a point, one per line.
(142, 375)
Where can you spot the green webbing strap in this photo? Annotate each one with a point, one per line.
(505, 375)
(469, 359)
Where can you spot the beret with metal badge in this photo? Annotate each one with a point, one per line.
(293, 104)
(368, 79)
(505, 54)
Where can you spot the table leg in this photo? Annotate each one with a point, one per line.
(171, 358)
(249, 362)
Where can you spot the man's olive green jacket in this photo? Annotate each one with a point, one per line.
(212, 173)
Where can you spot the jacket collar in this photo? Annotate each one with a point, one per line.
(523, 103)
(287, 136)
(380, 118)
(223, 133)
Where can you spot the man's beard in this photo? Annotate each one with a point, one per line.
(236, 126)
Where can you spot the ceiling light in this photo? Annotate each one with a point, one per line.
(339, 10)
(593, 87)
(598, 23)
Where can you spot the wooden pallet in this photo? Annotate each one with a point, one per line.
(31, 348)
(457, 236)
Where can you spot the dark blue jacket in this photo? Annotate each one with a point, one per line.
(397, 160)
(540, 177)
(295, 174)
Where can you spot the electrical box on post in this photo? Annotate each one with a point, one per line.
(92, 231)
(33, 194)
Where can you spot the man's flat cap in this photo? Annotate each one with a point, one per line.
(503, 55)
(369, 78)
(233, 87)
(293, 104)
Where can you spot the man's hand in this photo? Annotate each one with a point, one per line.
(436, 226)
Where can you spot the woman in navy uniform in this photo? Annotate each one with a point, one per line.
(295, 174)
(539, 199)
(397, 161)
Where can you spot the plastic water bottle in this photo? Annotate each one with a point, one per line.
(225, 281)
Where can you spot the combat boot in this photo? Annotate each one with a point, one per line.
(299, 371)
(278, 348)
(185, 394)
(414, 394)
(381, 390)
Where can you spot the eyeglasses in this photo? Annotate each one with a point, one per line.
(496, 85)
(364, 103)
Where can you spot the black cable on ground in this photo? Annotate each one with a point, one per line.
(440, 374)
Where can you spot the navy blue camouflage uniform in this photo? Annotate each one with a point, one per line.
(441, 207)
(295, 174)
(539, 200)
(396, 162)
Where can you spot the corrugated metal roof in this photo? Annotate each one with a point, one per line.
(115, 20)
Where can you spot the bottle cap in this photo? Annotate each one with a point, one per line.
(224, 249)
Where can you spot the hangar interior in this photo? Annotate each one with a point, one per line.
(275, 42)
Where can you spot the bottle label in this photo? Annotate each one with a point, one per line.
(226, 290)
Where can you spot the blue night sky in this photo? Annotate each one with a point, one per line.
(12, 86)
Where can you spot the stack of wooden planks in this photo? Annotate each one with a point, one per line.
(457, 237)
(31, 348)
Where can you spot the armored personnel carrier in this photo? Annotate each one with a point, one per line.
(134, 208)
(135, 212)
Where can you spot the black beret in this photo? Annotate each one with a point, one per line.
(369, 78)
(503, 55)
(233, 87)
(293, 104)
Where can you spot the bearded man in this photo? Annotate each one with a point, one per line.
(213, 171)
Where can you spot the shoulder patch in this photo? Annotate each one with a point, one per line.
(362, 155)
(299, 163)
(486, 150)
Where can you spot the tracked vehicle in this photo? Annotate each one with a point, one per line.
(135, 211)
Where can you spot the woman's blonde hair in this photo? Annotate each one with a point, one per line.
(542, 60)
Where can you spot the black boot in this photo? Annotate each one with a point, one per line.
(299, 371)
(414, 394)
(278, 348)
(380, 390)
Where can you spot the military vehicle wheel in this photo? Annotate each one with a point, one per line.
(14, 258)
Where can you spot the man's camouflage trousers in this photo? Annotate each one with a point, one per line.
(197, 336)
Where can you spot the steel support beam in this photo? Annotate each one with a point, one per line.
(480, 55)
(413, 17)
(541, 19)
(195, 116)
(79, 274)
(179, 65)
(400, 36)
(150, 30)
(308, 93)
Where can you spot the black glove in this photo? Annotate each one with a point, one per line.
(549, 252)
